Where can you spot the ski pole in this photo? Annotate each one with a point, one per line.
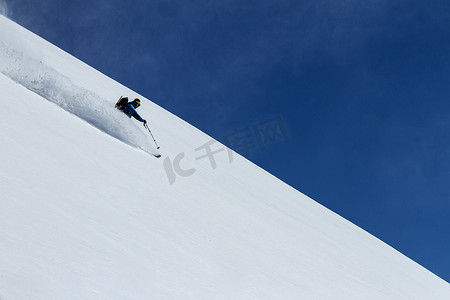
(146, 126)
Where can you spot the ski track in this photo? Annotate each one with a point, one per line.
(83, 103)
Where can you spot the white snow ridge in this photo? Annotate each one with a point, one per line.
(85, 216)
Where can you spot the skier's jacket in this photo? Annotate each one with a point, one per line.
(130, 111)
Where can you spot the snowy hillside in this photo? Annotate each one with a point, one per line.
(86, 214)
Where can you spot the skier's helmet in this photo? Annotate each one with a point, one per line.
(138, 102)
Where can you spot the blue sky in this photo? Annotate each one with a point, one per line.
(362, 89)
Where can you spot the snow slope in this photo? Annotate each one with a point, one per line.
(85, 214)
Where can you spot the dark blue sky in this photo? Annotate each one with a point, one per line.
(362, 87)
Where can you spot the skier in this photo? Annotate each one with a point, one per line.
(130, 108)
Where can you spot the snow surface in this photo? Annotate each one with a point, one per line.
(85, 214)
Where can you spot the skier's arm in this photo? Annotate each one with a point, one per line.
(135, 114)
